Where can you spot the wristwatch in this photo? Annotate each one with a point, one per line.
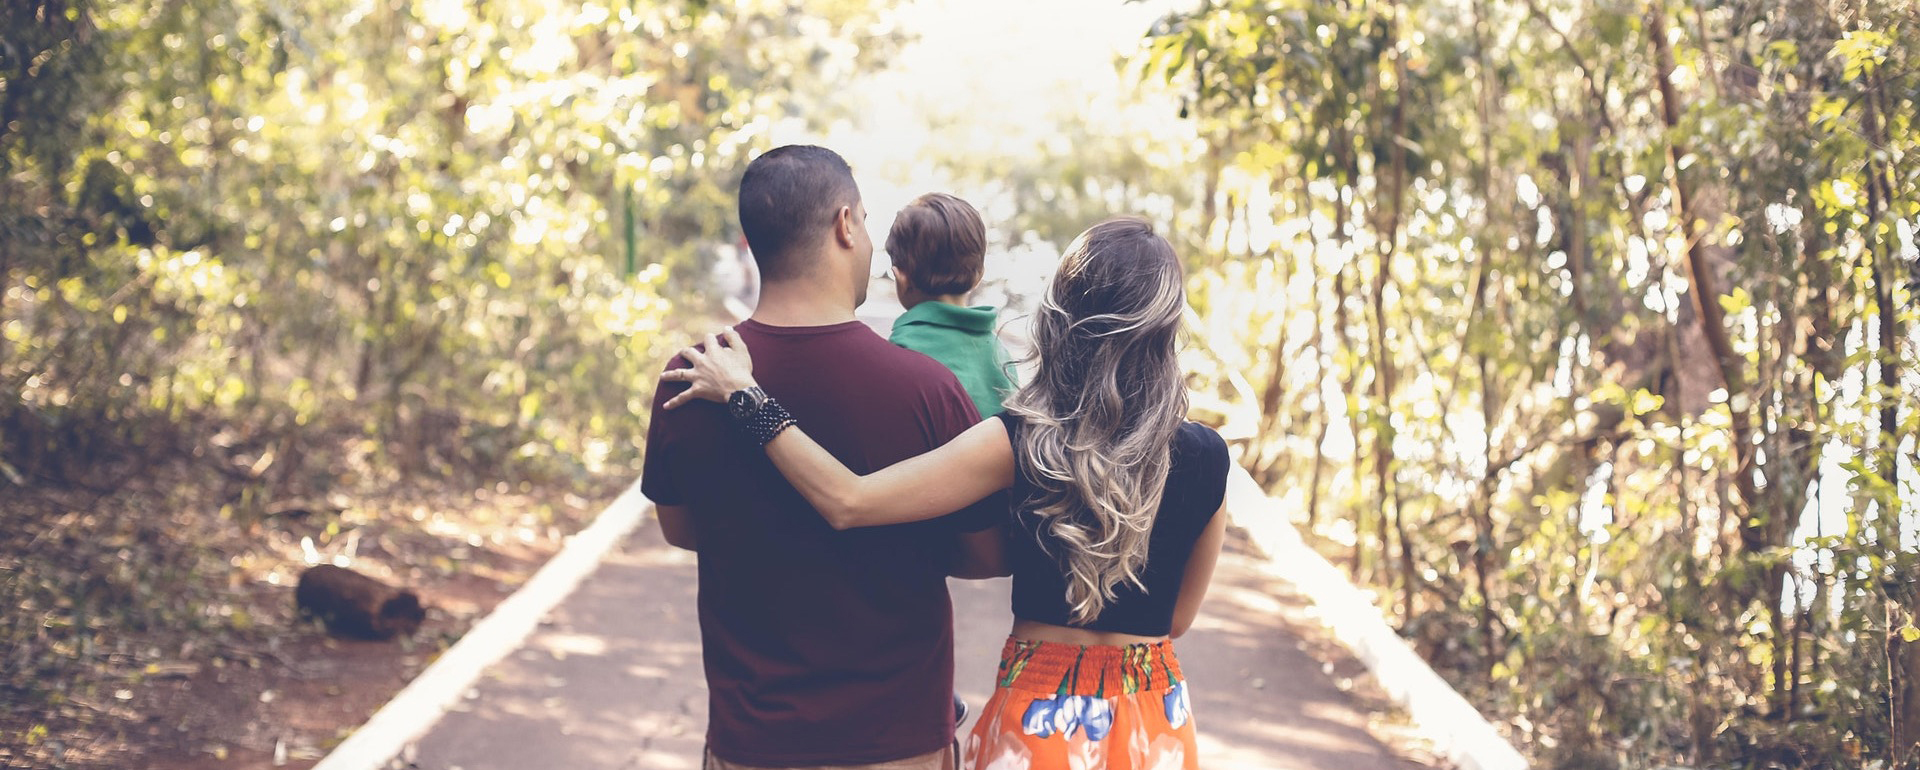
(745, 402)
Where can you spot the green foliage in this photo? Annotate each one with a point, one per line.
(301, 248)
(408, 219)
(1644, 528)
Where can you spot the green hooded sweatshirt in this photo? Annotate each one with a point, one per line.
(961, 339)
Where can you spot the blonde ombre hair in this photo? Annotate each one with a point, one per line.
(1101, 410)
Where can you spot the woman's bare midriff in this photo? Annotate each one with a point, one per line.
(1033, 630)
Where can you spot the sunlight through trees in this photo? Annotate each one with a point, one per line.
(1585, 332)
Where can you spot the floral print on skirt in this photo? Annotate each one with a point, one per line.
(1073, 707)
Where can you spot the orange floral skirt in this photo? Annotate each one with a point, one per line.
(1069, 707)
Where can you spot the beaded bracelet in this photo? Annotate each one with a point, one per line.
(767, 422)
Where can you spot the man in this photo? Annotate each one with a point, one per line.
(822, 648)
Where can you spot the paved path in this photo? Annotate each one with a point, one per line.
(613, 679)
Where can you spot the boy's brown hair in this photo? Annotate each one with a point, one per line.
(939, 243)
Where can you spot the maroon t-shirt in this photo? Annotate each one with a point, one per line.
(821, 647)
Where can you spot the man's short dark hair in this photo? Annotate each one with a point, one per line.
(788, 199)
(939, 243)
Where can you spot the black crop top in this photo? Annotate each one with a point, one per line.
(1196, 485)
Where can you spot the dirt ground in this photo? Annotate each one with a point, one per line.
(206, 662)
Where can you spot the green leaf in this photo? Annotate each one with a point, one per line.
(1787, 51)
(1737, 301)
(1646, 401)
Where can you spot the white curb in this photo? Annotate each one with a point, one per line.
(1438, 712)
(421, 703)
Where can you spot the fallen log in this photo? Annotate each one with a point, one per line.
(355, 605)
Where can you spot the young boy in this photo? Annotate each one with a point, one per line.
(938, 246)
(939, 249)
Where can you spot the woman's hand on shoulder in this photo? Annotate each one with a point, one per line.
(715, 370)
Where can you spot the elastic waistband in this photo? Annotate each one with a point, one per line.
(1099, 670)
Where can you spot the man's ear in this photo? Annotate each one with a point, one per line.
(843, 226)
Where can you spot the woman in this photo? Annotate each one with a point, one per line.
(1114, 530)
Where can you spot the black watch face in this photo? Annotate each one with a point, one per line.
(743, 402)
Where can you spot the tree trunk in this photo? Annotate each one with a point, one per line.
(1384, 373)
(1903, 658)
(1268, 451)
(1343, 227)
(1322, 417)
(1349, 388)
(1880, 254)
(1758, 527)
(1482, 504)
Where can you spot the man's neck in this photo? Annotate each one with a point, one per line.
(801, 303)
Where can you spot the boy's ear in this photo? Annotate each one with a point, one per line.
(900, 277)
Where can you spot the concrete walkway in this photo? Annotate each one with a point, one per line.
(613, 679)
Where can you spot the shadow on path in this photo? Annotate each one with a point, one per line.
(1260, 698)
(613, 678)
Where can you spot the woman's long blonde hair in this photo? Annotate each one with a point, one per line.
(1101, 410)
